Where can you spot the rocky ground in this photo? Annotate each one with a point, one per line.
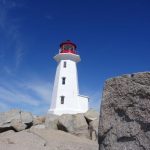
(22, 131)
(125, 113)
(44, 139)
(124, 122)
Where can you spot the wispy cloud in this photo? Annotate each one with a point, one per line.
(14, 95)
(19, 55)
(25, 94)
(5, 7)
(10, 32)
(3, 107)
(42, 89)
(7, 70)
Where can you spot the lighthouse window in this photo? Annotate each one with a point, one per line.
(65, 64)
(63, 80)
(62, 98)
(68, 47)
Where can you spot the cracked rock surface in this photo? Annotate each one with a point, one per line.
(125, 113)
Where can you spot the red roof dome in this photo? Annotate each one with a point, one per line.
(68, 47)
(68, 42)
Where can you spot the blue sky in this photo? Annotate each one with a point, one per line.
(113, 38)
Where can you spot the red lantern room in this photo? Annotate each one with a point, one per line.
(68, 47)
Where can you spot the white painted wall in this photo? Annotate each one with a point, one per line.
(73, 103)
(84, 103)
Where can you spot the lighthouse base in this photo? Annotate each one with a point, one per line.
(82, 107)
(68, 111)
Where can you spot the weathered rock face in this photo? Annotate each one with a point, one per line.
(125, 113)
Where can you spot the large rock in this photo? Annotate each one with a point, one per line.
(44, 139)
(91, 115)
(59, 140)
(125, 113)
(21, 141)
(65, 123)
(18, 125)
(7, 117)
(15, 120)
(75, 124)
(26, 117)
(51, 121)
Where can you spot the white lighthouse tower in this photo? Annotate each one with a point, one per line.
(65, 95)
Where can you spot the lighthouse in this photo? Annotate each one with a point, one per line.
(65, 95)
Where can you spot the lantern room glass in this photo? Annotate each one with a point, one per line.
(68, 47)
